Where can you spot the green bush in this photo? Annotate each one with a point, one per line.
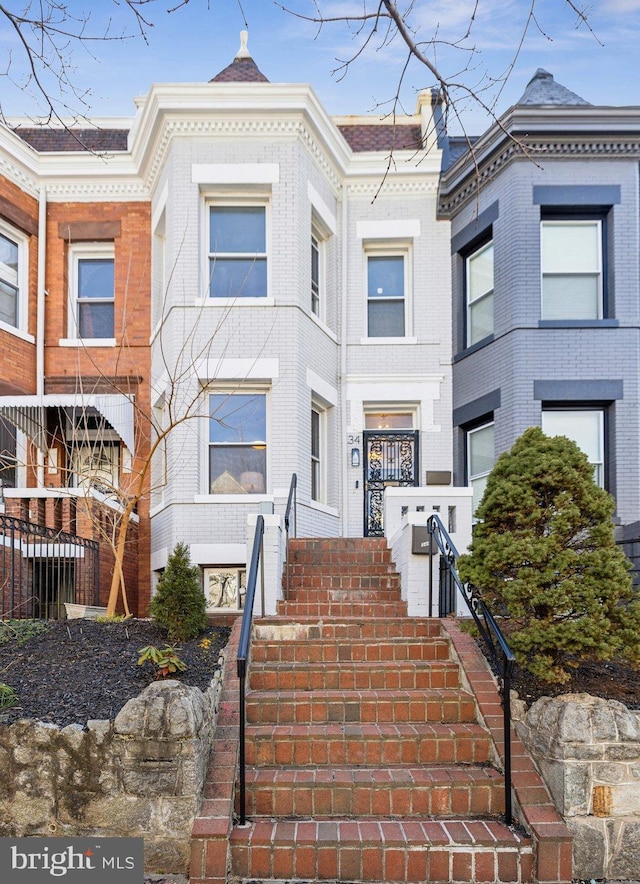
(544, 555)
(179, 604)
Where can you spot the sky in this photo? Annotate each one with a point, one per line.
(601, 61)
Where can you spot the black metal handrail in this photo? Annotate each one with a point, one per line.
(257, 560)
(290, 515)
(501, 654)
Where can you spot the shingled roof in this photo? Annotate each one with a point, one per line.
(242, 69)
(363, 137)
(91, 140)
(542, 89)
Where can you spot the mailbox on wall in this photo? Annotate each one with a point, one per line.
(422, 543)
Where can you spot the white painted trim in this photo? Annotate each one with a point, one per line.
(234, 302)
(323, 388)
(238, 369)
(247, 499)
(86, 342)
(17, 332)
(368, 342)
(409, 229)
(327, 217)
(235, 173)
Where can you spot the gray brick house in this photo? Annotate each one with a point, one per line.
(546, 286)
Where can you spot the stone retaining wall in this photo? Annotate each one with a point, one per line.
(141, 775)
(588, 751)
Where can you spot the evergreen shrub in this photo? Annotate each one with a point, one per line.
(544, 557)
(179, 604)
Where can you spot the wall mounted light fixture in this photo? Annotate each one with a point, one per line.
(355, 457)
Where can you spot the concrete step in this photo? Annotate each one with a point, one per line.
(307, 628)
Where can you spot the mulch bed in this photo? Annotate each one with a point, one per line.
(79, 670)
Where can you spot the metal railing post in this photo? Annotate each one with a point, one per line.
(491, 634)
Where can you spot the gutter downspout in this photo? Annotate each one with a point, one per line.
(41, 291)
(343, 365)
(40, 310)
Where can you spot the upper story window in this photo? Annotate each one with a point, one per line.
(315, 275)
(386, 295)
(583, 426)
(237, 443)
(237, 251)
(479, 294)
(572, 269)
(13, 293)
(93, 291)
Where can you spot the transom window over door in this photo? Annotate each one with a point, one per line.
(237, 252)
(584, 427)
(572, 277)
(9, 288)
(237, 446)
(386, 301)
(479, 293)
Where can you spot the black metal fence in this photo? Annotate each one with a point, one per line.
(42, 568)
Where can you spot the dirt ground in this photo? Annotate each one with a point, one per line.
(80, 669)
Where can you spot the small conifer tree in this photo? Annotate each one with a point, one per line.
(179, 603)
(544, 555)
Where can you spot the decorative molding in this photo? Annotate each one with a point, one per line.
(391, 185)
(539, 150)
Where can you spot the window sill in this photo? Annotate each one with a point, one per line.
(322, 508)
(234, 302)
(17, 332)
(472, 348)
(249, 499)
(402, 342)
(322, 325)
(87, 342)
(578, 323)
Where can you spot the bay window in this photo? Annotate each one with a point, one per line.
(585, 427)
(479, 293)
(572, 269)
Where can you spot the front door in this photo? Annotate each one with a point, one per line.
(390, 459)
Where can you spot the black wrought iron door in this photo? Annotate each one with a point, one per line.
(390, 459)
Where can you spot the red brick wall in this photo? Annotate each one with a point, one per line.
(18, 365)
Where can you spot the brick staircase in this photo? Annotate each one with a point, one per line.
(366, 758)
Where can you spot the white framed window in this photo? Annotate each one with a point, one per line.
(13, 278)
(583, 426)
(92, 275)
(316, 273)
(387, 288)
(96, 465)
(479, 293)
(225, 588)
(237, 250)
(572, 275)
(317, 454)
(480, 459)
(237, 443)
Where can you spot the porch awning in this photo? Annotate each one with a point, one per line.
(27, 413)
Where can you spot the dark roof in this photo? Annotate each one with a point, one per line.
(99, 140)
(455, 147)
(241, 70)
(364, 136)
(542, 89)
